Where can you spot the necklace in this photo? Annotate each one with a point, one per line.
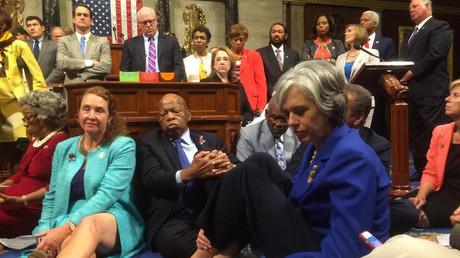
(81, 146)
(38, 143)
(349, 54)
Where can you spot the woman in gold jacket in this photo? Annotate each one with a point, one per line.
(12, 84)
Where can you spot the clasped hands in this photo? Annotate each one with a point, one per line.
(207, 164)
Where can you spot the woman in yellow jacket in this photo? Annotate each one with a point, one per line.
(12, 84)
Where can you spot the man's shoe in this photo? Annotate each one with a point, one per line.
(454, 239)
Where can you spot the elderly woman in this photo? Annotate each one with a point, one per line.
(351, 61)
(339, 190)
(438, 197)
(323, 46)
(45, 114)
(223, 70)
(88, 209)
(249, 67)
(12, 87)
(198, 64)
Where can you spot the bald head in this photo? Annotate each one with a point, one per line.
(173, 115)
(147, 20)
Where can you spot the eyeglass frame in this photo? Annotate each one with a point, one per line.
(29, 119)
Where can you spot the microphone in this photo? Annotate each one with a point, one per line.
(357, 46)
(122, 36)
(115, 33)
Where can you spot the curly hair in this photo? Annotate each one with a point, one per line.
(117, 127)
(237, 30)
(49, 106)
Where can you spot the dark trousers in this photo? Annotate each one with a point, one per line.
(381, 119)
(424, 115)
(251, 202)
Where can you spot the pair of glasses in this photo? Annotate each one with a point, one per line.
(144, 23)
(29, 119)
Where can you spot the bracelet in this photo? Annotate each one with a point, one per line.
(71, 225)
(24, 200)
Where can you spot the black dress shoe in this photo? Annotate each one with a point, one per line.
(454, 238)
(416, 177)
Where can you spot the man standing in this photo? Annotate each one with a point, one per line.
(83, 56)
(277, 57)
(428, 81)
(272, 136)
(177, 168)
(152, 51)
(385, 46)
(43, 49)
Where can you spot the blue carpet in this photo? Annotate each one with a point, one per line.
(17, 253)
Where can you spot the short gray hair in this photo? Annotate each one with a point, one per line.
(320, 82)
(49, 106)
(429, 3)
(363, 101)
(374, 16)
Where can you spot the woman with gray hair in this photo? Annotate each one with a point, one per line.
(339, 190)
(45, 113)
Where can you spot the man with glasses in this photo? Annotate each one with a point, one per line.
(152, 51)
(271, 135)
(83, 55)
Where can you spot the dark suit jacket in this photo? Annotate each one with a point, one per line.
(168, 54)
(385, 47)
(246, 110)
(157, 164)
(47, 60)
(271, 67)
(428, 50)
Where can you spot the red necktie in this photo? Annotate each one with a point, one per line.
(367, 44)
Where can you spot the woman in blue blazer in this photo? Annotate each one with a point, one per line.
(339, 190)
(88, 209)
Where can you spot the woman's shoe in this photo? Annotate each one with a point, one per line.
(37, 254)
(454, 239)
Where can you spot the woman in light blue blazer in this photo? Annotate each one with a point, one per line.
(88, 210)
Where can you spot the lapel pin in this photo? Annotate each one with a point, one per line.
(333, 47)
(442, 145)
(377, 42)
(102, 154)
(45, 147)
(312, 173)
(202, 140)
(71, 156)
(287, 56)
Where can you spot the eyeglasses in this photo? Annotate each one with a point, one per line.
(144, 23)
(29, 119)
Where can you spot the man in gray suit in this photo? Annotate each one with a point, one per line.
(43, 49)
(83, 56)
(271, 135)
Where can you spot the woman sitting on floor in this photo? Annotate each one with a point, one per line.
(88, 210)
(339, 190)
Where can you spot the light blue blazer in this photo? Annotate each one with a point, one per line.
(107, 179)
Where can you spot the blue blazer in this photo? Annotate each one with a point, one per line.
(347, 195)
(385, 47)
(107, 179)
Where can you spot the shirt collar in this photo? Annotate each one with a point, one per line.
(87, 35)
(275, 48)
(40, 40)
(372, 37)
(154, 36)
(186, 137)
(420, 25)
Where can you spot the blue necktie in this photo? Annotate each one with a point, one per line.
(82, 44)
(188, 196)
(36, 50)
(280, 154)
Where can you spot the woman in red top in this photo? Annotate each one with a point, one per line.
(249, 67)
(45, 113)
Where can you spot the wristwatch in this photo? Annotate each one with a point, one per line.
(24, 200)
(71, 225)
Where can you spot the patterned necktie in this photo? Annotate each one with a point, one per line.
(82, 44)
(412, 35)
(280, 154)
(184, 163)
(188, 195)
(36, 49)
(367, 43)
(152, 57)
(278, 57)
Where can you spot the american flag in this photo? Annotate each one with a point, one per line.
(110, 14)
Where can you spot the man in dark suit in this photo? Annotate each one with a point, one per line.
(152, 51)
(428, 81)
(277, 57)
(177, 168)
(44, 50)
(385, 46)
(359, 106)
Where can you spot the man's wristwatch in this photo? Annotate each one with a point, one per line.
(71, 225)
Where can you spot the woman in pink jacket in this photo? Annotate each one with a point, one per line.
(249, 67)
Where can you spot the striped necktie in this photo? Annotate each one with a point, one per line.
(280, 154)
(278, 57)
(152, 57)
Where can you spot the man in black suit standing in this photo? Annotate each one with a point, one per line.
(177, 168)
(44, 50)
(152, 51)
(381, 118)
(277, 57)
(428, 81)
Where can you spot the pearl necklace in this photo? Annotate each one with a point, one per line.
(349, 54)
(38, 143)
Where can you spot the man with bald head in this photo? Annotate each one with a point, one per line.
(56, 33)
(152, 51)
(428, 81)
(177, 168)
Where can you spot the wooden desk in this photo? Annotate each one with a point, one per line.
(215, 107)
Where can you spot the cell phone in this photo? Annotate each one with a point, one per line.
(369, 239)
